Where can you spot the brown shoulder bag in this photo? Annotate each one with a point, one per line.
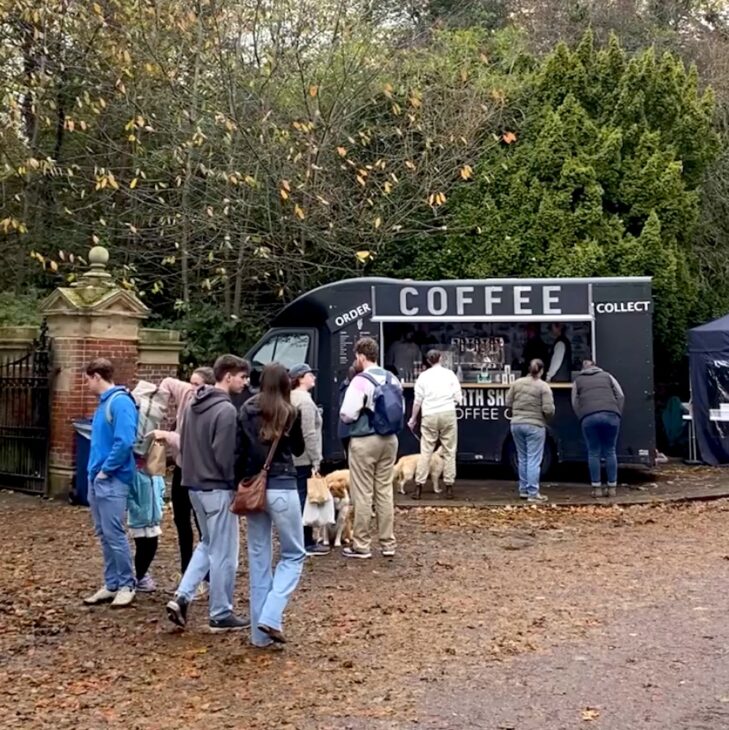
(251, 493)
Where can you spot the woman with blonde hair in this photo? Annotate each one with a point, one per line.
(266, 421)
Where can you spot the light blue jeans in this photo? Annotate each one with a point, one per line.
(216, 553)
(529, 441)
(270, 591)
(108, 504)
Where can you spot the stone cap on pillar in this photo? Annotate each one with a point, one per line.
(97, 275)
(95, 306)
(159, 347)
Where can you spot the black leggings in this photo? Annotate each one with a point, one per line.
(146, 549)
(183, 511)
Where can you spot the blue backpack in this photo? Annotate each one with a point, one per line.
(388, 416)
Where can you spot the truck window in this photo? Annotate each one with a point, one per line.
(286, 348)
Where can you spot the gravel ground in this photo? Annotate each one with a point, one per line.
(522, 618)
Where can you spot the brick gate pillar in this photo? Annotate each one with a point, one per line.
(93, 318)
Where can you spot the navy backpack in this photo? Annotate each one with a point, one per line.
(388, 416)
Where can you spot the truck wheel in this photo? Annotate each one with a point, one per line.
(548, 458)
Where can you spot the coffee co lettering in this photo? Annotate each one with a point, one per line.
(483, 404)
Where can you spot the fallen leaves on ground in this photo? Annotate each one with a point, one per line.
(369, 640)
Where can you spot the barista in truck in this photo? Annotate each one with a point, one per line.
(404, 354)
(423, 337)
(534, 348)
(560, 362)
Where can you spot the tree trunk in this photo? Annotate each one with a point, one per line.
(193, 113)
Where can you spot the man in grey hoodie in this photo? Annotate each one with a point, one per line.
(598, 401)
(207, 451)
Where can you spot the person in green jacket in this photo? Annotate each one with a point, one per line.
(532, 405)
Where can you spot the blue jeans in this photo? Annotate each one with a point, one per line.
(601, 435)
(529, 442)
(270, 591)
(216, 553)
(108, 503)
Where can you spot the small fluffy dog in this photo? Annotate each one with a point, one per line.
(406, 466)
(338, 483)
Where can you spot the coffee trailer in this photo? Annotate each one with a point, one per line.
(481, 327)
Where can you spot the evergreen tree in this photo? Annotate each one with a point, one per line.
(599, 179)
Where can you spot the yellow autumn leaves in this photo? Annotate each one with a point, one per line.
(435, 199)
(106, 179)
(285, 192)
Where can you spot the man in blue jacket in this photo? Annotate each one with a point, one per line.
(111, 474)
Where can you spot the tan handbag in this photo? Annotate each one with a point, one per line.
(317, 491)
(251, 493)
(155, 463)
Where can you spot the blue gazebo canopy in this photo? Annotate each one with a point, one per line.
(708, 349)
(710, 337)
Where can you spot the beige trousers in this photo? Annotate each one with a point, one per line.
(441, 427)
(371, 463)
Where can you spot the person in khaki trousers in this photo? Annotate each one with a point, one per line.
(437, 392)
(371, 456)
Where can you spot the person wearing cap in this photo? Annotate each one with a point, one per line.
(303, 380)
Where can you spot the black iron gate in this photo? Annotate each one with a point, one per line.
(25, 416)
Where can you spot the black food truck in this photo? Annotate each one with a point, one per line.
(487, 331)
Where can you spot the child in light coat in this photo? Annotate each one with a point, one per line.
(145, 505)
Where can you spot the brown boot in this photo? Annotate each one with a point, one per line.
(418, 493)
(449, 491)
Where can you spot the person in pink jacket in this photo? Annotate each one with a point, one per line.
(181, 393)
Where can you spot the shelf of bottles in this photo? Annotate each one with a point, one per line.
(475, 360)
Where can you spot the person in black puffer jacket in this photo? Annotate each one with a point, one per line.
(262, 419)
(598, 401)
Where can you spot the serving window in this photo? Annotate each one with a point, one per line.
(494, 353)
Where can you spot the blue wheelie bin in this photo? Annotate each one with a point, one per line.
(80, 492)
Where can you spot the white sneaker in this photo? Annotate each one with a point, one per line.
(124, 598)
(103, 595)
(350, 552)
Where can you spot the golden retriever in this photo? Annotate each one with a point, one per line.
(338, 483)
(406, 466)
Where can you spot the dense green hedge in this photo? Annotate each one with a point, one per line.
(600, 177)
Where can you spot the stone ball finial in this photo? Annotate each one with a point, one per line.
(98, 257)
(97, 275)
